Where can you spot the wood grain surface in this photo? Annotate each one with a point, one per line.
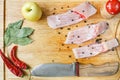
(1, 37)
(48, 45)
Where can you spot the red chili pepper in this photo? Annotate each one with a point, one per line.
(16, 61)
(113, 6)
(14, 69)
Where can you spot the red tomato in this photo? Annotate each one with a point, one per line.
(113, 6)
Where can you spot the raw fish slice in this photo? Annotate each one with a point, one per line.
(86, 33)
(94, 49)
(75, 15)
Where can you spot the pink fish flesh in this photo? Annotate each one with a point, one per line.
(86, 33)
(75, 15)
(95, 49)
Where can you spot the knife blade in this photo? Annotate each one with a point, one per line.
(74, 69)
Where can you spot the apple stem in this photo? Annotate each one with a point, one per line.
(30, 10)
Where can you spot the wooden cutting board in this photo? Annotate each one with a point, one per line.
(1, 37)
(48, 45)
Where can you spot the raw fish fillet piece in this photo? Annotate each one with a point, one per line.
(95, 49)
(75, 15)
(86, 33)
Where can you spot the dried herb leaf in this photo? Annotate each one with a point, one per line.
(22, 41)
(24, 32)
(15, 34)
(7, 38)
(17, 24)
(10, 34)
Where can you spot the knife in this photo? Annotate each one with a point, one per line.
(74, 69)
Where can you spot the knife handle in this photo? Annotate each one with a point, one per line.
(76, 68)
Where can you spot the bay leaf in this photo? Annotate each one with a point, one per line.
(17, 24)
(22, 41)
(7, 40)
(25, 31)
(15, 34)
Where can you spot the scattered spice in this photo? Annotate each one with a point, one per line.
(78, 36)
(82, 52)
(68, 6)
(98, 35)
(54, 8)
(72, 19)
(112, 49)
(62, 44)
(85, 21)
(79, 46)
(68, 28)
(72, 43)
(107, 24)
(88, 26)
(76, 25)
(53, 13)
(71, 10)
(61, 28)
(67, 46)
(69, 56)
(76, 60)
(83, 11)
(65, 35)
(59, 33)
(98, 40)
(105, 40)
(61, 7)
(90, 53)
